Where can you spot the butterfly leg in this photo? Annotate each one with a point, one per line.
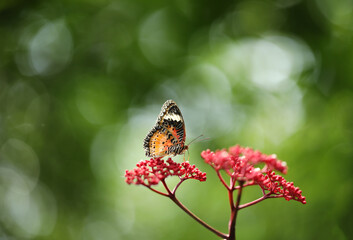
(188, 155)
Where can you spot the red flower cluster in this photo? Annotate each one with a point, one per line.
(240, 164)
(255, 157)
(150, 172)
(279, 186)
(238, 156)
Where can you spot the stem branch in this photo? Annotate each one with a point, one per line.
(177, 186)
(171, 195)
(234, 213)
(177, 202)
(222, 180)
(253, 202)
(156, 191)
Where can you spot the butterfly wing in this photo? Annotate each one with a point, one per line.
(167, 137)
(172, 119)
(158, 142)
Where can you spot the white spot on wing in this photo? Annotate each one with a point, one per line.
(173, 117)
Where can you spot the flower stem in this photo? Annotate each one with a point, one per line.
(177, 186)
(177, 202)
(245, 185)
(265, 196)
(156, 191)
(171, 195)
(253, 202)
(166, 188)
(234, 213)
(222, 180)
(231, 200)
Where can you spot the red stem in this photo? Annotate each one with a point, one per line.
(253, 202)
(156, 191)
(245, 185)
(177, 186)
(177, 202)
(268, 195)
(230, 194)
(231, 200)
(234, 213)
(172, 196)
(166, 188)
(275, 196)
(234, 207)
(222, 180)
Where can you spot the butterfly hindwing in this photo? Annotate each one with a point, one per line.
(158, 142)
(167, 137)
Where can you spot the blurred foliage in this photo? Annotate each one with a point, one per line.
(82, 82)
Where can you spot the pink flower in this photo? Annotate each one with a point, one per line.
(240, 163)
(255, 157)
(219, 160)
(151, 172)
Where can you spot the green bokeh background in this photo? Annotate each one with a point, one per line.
(82, 82)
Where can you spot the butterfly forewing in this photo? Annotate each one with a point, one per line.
(172, 119)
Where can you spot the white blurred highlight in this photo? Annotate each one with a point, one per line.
(28, 207)
(50, 49)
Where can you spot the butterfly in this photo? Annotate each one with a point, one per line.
(167, 137)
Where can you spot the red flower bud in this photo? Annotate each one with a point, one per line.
(150, 172)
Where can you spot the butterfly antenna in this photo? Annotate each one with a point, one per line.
(204, 139)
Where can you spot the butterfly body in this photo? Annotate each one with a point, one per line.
(167, 137)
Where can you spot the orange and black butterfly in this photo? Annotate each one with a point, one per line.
(167, 137)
